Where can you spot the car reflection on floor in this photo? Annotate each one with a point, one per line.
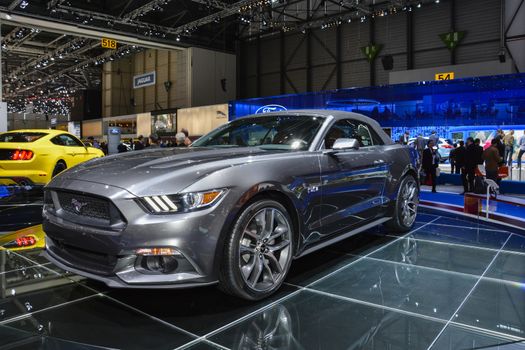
(449, 284)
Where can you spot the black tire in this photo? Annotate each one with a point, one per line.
(59, 167)
(232, 276)
(398, 222)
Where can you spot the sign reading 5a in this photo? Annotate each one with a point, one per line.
(109, 43)
(445, 76)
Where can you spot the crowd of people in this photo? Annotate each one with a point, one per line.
(181, 139)
(467, 156)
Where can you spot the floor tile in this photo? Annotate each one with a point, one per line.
(10, 261)
(425, 217)
(516, 243)
(466, 236)
(310, 268)
(499, 307)
(203, 346)
(34, 255)
(10, 336)
(198, 310)
(410, 288)
(314, 321)
(448, 257)
(454, 338)
(362, 244)
(509, 267)
(101, 322)
(42, 297)
(466, 222)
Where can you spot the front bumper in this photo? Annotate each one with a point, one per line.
(108, 254)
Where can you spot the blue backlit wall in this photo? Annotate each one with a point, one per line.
(485, 102)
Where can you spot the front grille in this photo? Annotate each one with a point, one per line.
(83, 259)
(88, 206)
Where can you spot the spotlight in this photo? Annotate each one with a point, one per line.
(436, 1)
(419, 4)
(178, 38)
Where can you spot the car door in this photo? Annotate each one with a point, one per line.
(74, 149)
(352, 181)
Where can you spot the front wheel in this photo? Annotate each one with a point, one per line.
(258, 251)
(405, 210)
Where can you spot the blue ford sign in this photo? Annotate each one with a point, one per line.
(270, 108)
(144, 80)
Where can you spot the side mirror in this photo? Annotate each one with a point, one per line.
(345, 144)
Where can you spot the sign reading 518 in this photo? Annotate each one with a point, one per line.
(109, 43)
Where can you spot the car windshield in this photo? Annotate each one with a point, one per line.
(21, 136)
(286, 132)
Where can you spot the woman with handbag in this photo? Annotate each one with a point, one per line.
(430, 163)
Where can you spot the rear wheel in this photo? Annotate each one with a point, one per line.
(59, 167)
(258, 251)
(405, 210)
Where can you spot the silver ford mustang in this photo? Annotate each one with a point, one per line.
(234, 208)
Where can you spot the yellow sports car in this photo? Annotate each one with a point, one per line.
(34, 157)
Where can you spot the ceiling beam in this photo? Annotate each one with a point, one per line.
(95, 33)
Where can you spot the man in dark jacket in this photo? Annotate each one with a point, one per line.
(460, 156)
(479, 151)
(471, 163)
(492, 160)
(430, 163)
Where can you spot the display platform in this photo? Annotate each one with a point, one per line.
(450, 283)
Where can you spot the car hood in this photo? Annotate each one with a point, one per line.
(162, 170)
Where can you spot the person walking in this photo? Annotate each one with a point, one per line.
(154, 141)
(187, 141)
(403, 139)
(501, 147)
(430, 163)
(521, 145)
(508, 141)
(492, 160)
(139, 144)
(420, 145)
(479, 151)
(452, 159)
(179, 139)
(434, 137)
(460, 157)
(471, 163)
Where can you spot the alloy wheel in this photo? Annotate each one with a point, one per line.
(409, 202)
(265, 249)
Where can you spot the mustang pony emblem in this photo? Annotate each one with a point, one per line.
(77, 205)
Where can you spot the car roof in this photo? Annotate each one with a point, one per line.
(337, 115)
(47, 131)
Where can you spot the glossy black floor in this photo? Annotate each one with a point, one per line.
(448, 284)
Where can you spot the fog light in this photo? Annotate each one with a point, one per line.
(156, 251)
(160, 263)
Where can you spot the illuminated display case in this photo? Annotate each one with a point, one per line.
(456, 109)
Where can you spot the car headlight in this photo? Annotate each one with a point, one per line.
(184, 202)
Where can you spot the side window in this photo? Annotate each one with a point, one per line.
(363, 135)
(378, 141)
(66, 140)
(350, 129)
